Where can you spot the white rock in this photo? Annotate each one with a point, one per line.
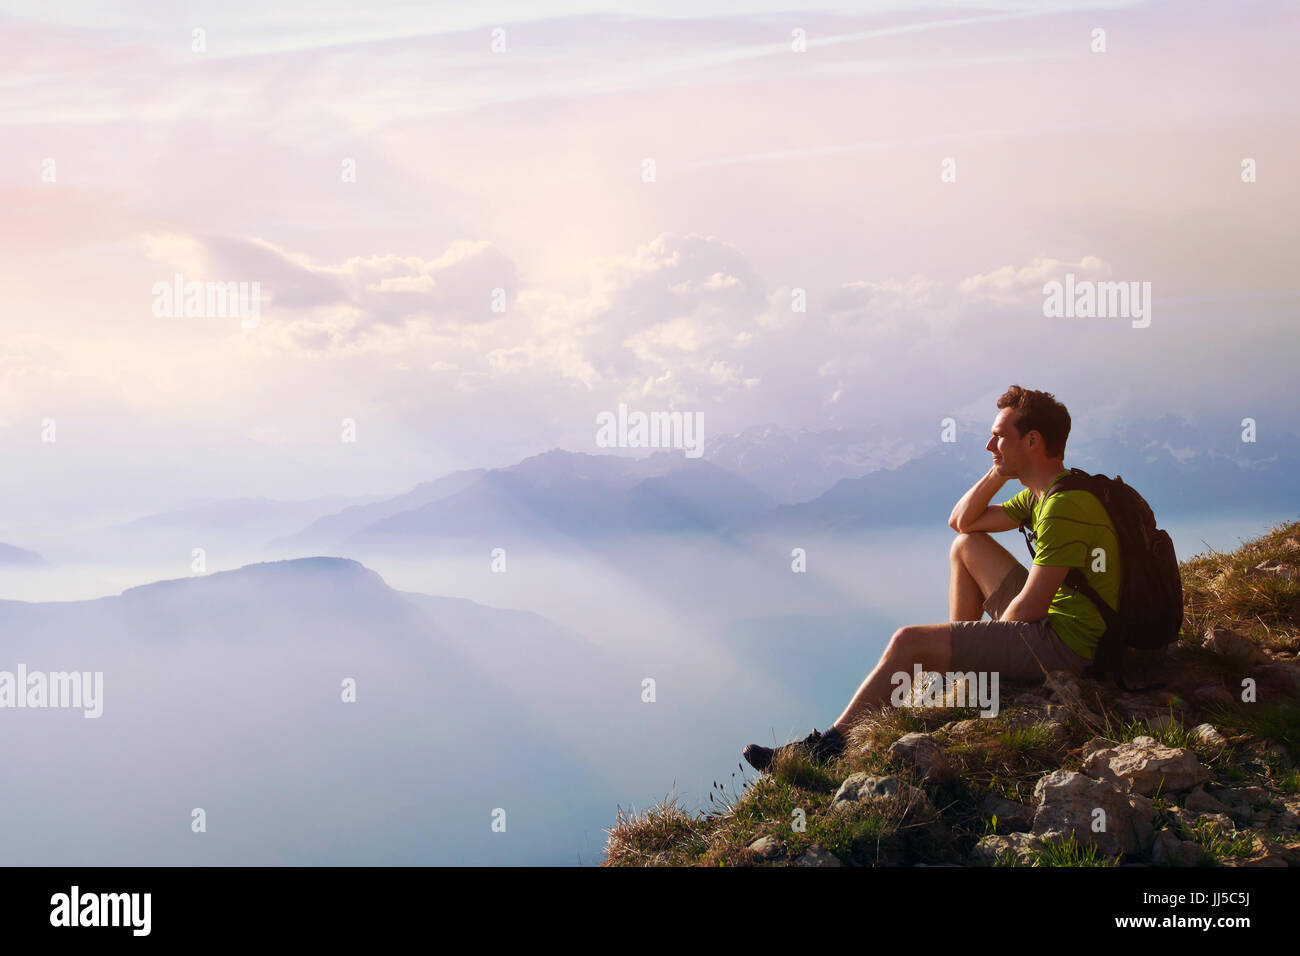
(818, 855)
(1148, 766)
(1069, 803)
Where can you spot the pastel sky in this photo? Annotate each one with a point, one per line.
(129, 157)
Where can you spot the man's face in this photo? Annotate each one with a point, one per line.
(1004, 445)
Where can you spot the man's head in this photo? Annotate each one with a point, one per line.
(1029, 432)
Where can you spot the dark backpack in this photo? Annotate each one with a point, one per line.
(1150, 612)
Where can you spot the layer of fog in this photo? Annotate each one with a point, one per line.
(453, 720)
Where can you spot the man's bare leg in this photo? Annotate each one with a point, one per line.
(929, 645)
(978, 565)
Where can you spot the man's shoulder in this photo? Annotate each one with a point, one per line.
(1077, 504)
(1019, 504)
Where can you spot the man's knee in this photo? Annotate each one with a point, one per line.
(906, 644)
(913, 644)
(962, 543)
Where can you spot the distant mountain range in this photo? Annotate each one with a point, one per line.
(335, 527)
(567, 494)
(581, 496)
(746, 484)
(263, 518)
(794, 466)
(9, 555)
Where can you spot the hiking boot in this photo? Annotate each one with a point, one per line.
(819, 746)
(760, 758)
(826, 746)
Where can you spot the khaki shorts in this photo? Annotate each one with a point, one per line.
(1010, 647)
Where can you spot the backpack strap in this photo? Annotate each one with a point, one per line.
(1076, 579)
(1029, 539)
(1030, 536)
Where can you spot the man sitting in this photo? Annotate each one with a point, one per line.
(1038, 625)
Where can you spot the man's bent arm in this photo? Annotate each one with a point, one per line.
(1035, 597)
(975, 502)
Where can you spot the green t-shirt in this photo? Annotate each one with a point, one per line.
(1070, 527)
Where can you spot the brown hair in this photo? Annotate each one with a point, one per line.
(1040, 412)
